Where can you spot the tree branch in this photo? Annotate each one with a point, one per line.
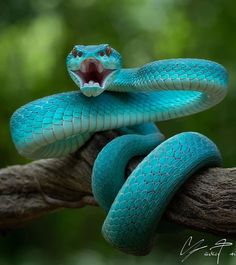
(207, 201)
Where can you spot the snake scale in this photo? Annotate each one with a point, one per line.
(129, 99)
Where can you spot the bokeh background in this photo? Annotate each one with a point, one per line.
(36, 36)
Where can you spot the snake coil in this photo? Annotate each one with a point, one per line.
(129, 99)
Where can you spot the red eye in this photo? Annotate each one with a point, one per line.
(74, 52)
(108, 50)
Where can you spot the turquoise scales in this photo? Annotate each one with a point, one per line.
(113, 97)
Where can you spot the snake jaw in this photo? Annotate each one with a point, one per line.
(92, 76)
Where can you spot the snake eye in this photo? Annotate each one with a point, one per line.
(74, 52)
(108, 50)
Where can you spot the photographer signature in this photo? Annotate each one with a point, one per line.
(188, 248)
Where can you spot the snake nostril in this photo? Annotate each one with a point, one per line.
(101, 53)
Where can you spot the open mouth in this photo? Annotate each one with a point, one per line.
(92, 73)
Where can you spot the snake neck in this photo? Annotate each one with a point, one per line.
(174, 75)
(124, 79)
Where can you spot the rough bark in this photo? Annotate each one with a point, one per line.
(207, 201)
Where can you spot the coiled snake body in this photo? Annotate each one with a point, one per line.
(130, 99)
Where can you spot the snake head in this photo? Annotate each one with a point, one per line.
(92, 67)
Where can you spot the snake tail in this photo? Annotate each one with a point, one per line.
(133, 217)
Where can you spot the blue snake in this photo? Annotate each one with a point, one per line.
(128, 99)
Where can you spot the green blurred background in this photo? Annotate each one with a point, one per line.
(36, 36)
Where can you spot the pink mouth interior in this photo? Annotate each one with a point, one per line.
(92, 70)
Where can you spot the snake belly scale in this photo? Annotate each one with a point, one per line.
(129, 99)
